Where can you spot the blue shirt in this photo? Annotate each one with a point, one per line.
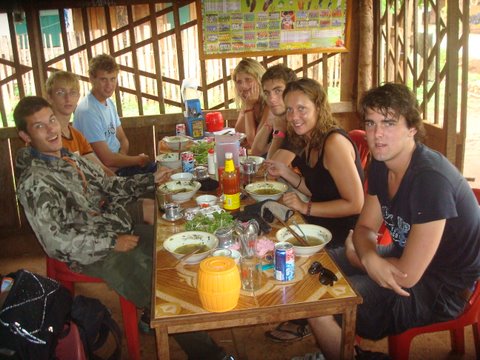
(97, 121)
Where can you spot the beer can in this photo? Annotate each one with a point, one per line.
(188, 162)
(180, 130)
(284, 261)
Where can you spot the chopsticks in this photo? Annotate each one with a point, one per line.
(298, 237)
(185, 257)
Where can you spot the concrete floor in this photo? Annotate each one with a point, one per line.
(22, 251)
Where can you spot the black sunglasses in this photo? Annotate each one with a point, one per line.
(326, 277)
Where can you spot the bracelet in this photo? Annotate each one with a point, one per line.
(299, 182)
(309, 208)
(248, 110)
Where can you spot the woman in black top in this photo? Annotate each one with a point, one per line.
(331, 173)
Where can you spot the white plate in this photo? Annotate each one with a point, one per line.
(175, 241)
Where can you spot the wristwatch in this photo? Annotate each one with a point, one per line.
(278, 134)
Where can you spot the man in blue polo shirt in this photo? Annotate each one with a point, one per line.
(96, 117)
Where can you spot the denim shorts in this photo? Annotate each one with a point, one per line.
(384, 312)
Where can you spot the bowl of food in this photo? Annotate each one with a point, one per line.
(180, 190)
(176, 143)
(316, 236)
(170, 160)
(266, 190)
(206, 200)
(258, 161)
(182, 176)
(187, 242)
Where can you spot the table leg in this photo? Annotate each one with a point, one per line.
(348, 332)
(161, 336)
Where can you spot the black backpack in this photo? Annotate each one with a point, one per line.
(32, 316)
(96, 324)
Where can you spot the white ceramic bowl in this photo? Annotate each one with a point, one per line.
(258, 161)
(180, 190)
(183, 243)
(176, 142)
(311, 232)
(170, 160)
(206, 200)
(266, 190)
(183, 176)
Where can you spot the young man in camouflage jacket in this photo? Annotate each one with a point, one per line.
(82, 217)
(90, 221)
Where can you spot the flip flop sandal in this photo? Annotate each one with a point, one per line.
(300, 332)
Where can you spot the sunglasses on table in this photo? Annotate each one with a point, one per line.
(326, 277)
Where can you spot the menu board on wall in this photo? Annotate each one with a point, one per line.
(234, 28)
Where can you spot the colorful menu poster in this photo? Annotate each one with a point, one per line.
(246, 26)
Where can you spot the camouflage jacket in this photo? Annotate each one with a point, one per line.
(75, 210)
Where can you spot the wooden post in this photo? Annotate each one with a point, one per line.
(365, 52)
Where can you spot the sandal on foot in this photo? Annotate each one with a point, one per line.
(288, 332)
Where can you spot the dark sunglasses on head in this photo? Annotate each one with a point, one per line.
(326, 277)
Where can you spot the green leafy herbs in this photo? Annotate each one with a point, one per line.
(216, 220)
(200, 152)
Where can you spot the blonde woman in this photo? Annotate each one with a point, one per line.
(249, 98)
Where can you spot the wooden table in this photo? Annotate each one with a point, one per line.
(177, 306)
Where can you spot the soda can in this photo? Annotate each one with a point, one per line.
(284, 260)
(188, 162)
(180, 130)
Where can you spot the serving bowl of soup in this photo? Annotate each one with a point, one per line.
(170, 160)
(176, 142)
(187, 242)
(180, 190)
(266, 190)
(316, 236)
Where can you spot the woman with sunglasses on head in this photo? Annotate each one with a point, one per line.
(249, 98)
(331, 173)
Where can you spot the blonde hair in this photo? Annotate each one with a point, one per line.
(62, 77)
(103, 62)
(251, 67)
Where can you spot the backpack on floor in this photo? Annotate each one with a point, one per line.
(101, 335)
(32, 316)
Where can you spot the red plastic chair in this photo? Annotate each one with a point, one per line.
(71, 346)
(399, 345)
(59, 271)
(359, 138)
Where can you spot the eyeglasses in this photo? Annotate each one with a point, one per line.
(326, 277)
(63, 93)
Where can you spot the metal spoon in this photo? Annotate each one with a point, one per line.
(300, 229)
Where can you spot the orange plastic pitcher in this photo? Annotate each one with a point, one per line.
(218, 283)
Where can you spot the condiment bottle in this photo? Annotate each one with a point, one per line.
(231, 184)
(211, 162)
